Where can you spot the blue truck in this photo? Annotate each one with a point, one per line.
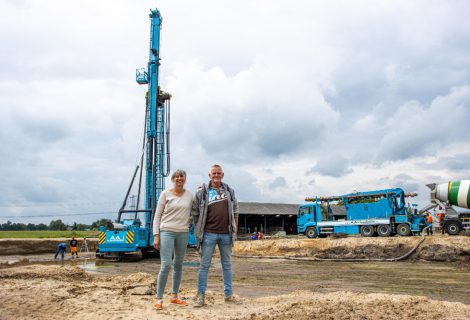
(380, 212)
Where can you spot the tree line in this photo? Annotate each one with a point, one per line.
(53, 225)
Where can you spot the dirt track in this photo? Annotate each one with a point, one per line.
(268, 289)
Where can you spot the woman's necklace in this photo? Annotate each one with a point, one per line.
(179, 192)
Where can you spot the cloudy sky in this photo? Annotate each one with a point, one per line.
(292, 98)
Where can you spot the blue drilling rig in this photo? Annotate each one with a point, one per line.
(129, 236)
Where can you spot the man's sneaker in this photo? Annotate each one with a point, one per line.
(199, 301)
(231, 299)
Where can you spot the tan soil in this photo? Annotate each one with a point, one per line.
(54, 292)
(51, 291)
(434, 248)
(36, 246)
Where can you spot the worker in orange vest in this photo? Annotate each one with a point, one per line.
(428, 223)
(440, 218)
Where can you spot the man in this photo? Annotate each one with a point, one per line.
(73, 247)
(215, 214)
(428, 223)
(440, 218)
(60, 249)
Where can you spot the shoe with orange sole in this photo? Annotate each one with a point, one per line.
(179, 302)
(158, 305)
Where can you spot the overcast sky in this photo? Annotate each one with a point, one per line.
(292, 98)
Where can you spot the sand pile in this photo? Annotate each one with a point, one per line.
(347, 305)
(436, 248)
(36, 246)
(54, 292)
(42, 272)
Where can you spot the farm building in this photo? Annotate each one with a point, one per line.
(267, 217)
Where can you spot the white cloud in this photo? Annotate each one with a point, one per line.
(370, 95)
(333, 165)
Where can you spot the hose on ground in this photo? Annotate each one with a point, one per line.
(402, 257)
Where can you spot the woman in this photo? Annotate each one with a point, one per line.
(170, 230)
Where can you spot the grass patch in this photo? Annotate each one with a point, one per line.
(47, 234)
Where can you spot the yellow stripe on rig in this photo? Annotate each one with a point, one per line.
(130, 237)
(101, 237)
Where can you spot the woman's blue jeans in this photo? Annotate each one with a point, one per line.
(224, 242)
(171, 244)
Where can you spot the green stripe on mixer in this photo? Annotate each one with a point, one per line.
(454, 193)
(468, 198)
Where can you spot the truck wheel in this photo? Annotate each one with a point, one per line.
(403, 230)
(311, 232)
(453, 228)
(383, 230)
(367, 231)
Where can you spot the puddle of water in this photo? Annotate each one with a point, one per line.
(92, 267)
(90, 264)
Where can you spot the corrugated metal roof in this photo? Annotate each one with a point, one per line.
(267, 208)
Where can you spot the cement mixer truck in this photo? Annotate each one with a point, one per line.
(447, 196)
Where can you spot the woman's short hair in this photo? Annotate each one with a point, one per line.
(178, 172)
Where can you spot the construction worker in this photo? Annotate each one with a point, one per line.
(73, 247)
(60, 249)
(428, 223)
(440, 218)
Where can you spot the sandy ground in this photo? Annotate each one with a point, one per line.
(434, 248)
(36, 246)
(53, 291)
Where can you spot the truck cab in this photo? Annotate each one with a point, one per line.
(320, 219)
(307, 218)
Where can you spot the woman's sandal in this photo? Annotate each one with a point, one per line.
(158, 305)
(179, 302)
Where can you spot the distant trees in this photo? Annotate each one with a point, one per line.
(102, 222)
(41, 226)
(79, 226)
(53, 225)
(13, 226)
(57, 225)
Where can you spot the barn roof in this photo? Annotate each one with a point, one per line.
(257, 208)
